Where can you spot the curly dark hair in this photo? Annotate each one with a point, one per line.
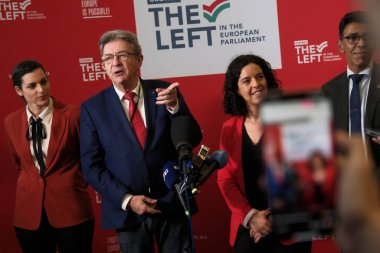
(233, 103)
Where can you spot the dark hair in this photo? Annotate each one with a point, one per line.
(316, 154)
(352, 17)
(23, 68)
(234, 104)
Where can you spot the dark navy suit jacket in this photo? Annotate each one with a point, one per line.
(115, 164)
(337, 90)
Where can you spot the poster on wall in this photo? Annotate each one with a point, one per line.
(193, 38)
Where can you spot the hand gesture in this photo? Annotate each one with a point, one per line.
(260, 225)
(141, 204)
(376, 139)
(167, 96)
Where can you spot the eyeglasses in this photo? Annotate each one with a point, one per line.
(354, 38)
(121, 56)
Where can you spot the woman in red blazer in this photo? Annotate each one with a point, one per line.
(247, 81)
(53, 209)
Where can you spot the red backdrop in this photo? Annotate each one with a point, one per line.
(57, 34)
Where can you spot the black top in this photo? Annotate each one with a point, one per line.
(253, 170)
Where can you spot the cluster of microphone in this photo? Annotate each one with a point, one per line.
(191, 171)
(187, 184)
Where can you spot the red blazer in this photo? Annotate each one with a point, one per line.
(231, 178)
(62, 190)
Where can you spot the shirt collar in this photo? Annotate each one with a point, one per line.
(367, 71)
(136, 90)
(45, 115)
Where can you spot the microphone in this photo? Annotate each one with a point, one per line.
(170, 174)
(171, 178)
(216, 161)
(185, 134)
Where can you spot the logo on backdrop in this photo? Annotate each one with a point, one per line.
(201, 37)
(92, 9)
(212, 12)
(313, 53)
(11, 10)
(91, 71)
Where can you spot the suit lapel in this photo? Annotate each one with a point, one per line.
(118, 114)
(373, 95)
(23, 140)
(237, 142)
(58, 126)
(342, 103)
(150, 109)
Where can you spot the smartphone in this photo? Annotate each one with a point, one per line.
(300, 175)
(372, 132)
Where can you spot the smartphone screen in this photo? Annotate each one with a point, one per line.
(300, 169)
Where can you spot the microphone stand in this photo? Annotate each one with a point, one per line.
(185, 167)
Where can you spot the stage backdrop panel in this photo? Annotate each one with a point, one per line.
(204, 33)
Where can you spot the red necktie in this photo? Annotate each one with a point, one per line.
(136, 119)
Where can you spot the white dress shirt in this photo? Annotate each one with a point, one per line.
(46, 116)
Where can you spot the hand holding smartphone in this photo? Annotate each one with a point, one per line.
(300, 169)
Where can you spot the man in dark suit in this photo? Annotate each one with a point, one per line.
(125, 143)
(356, 43)
(358, 195)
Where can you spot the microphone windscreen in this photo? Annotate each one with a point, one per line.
(216, 161)
(221, 157)
(185, 131)
(170, 175)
